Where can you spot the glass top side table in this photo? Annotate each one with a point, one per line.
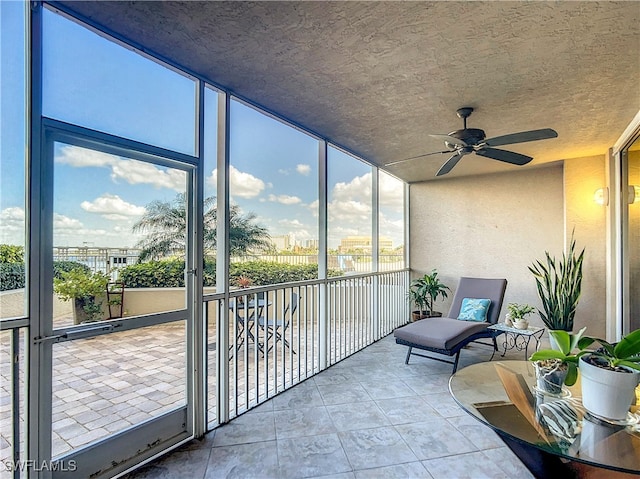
(518, 339)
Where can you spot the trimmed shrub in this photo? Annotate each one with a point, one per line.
(11, 276)
(11, 253)
(154, 274)
(170, 273)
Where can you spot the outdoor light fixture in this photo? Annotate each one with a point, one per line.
(601, 196)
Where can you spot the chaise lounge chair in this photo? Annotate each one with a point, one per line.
(448, 335)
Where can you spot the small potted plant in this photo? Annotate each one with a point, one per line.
(423, 292)
(610, 375)
(559, 284)
(86, 289)
(517, 314)
(243, 282)
(555, 367)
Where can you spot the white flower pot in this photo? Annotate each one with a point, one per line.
(607, 394)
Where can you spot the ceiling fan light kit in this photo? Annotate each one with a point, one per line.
(473, 140)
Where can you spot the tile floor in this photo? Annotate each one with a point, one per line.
(368, 416)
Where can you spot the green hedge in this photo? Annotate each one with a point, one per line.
(11, 276)
(170, 273)
(12, 273)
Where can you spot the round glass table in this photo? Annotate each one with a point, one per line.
(550, 434)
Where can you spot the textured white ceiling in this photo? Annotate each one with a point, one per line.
(378, 77)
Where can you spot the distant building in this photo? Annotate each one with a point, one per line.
(281, 243)
(310, 244)
(363, 243)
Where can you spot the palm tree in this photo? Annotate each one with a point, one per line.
(165, 226)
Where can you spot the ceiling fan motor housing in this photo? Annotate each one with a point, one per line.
(471, 136)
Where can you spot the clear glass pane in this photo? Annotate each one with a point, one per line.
(274, 195)
(12, 158)
(210, 186)
(7, 399)
(391, 222)
(210, 194)
(349, 213)
(94, 82)
(106, 384)
(116, 219)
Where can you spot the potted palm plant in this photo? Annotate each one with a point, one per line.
(610, 375)
(423, 292)
(559, 284)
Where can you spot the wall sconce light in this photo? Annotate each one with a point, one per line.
(601, 196)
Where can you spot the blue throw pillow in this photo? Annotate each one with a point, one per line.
(473, 309)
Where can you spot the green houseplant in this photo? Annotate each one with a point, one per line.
(517, 314)
(610, 375)
(559, 284)
(555, 367)
(86, 290)
(424, 291)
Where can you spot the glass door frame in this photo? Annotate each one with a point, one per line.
(155, 435)
(618, 321)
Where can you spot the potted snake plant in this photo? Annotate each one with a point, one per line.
(559, 284)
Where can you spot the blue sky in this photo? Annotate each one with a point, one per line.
(96, 83)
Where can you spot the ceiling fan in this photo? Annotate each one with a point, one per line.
(472, 140)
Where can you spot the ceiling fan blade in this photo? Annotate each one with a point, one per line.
(503, 155)
(450, 139)
(521, 137)
(450, 163)
(416, 157)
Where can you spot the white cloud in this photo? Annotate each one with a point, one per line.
(62, 223)
(358, 188)
(113, 207)
(303, 169)
(132, 171)
(290, 223)
(283, 172)
(242, 185)
(81, 157)
(285, 199)
(137, 172)
(69, 231)
(391, 193)
(13, 227)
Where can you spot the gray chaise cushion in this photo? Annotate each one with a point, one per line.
(439, 333)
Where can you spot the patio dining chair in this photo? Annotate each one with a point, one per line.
(475, 306)
(276, 327)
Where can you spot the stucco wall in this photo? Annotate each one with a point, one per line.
(497, 225)
(583, 176)
(488, 226)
